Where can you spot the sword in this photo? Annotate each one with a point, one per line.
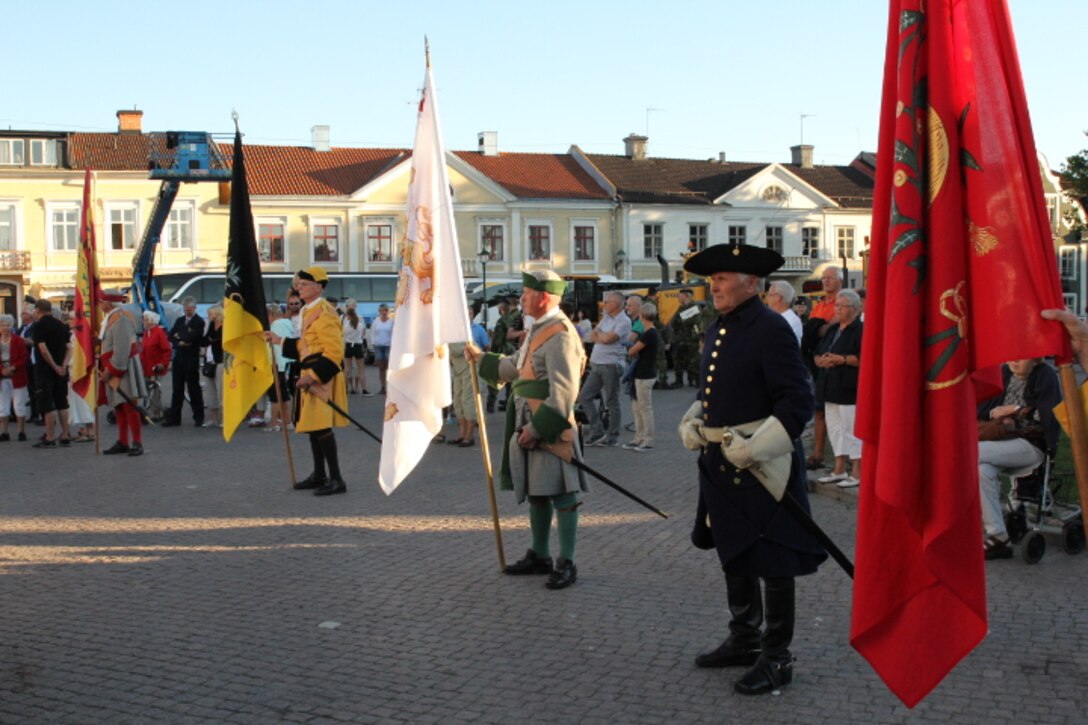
(805, 520)
(604, 479)
(344, 413)
(139, 409)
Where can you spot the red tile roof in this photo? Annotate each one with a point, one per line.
(301, 171)
(536, 176)
(109, 151)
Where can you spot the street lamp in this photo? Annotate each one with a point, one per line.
(484, 256)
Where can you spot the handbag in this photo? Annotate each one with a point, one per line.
(208, 370)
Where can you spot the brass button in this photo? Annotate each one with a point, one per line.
(714, 354)
(721, 330)
(717, 343)
(736, 480)
(706, 404)
(707, 391)
(706, 416)
(722, 468)
(711, 368)
(710, 378)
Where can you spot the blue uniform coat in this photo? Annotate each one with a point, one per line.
(752, 368)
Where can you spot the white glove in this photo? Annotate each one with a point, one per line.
(768, 442)
(691, 428)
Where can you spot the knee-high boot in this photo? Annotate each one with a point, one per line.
(742, 646)
(774, 668)
(335, 484)
(316, 479)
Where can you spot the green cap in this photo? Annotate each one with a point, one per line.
(544, 281)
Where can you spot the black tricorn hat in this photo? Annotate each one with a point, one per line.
(743, 258)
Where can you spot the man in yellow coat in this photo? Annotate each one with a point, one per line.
(320, 351)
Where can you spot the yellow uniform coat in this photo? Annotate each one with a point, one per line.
(320, 351)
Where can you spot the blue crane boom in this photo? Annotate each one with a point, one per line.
(176, 157)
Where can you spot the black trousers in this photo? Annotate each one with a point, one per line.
(186, 370)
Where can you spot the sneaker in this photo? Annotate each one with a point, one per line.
(631, 446)
(609, 444)
(832, 478)
(45, 444)
(643, 449)
(848, 482)
(601, 440)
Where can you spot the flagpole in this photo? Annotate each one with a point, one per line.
(279, 410)
(1078, 429)
(485, 451)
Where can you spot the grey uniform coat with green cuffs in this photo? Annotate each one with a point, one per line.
(557, 366)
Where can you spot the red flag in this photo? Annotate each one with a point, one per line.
(962, 263)
(86, 303)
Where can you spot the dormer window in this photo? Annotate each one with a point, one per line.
(12, 151)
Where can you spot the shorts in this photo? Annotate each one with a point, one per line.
(353, 349)
(285, 390)
(50, 390)
(9, 395)
(381, 353)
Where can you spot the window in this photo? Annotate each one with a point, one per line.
(379, 242)
(64, 228)
(1052, 210)
(326, 243)
(652, 239)
(270, 243)
(774, 239)
(584, 243)
(179, 228)
(122, 222)
(43, 152)
(491, 240)
(738, 235)
(7, 227)
(697, 235)
(11, 151)
(540, 242)
(810, 242)
(1067, 262)
(844, 237)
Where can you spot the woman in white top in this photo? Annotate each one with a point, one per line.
(354, 351)
(381, 338)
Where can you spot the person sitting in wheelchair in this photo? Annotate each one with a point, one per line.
(1017, 429)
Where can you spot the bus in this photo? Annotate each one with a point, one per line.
(369, 289)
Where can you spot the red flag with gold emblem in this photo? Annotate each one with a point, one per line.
(86, 313)
(962, 263)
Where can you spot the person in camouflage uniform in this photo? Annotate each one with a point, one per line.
(687, 331)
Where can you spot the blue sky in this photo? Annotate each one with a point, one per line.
(731, 75)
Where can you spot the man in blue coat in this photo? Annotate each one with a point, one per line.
(753, 403)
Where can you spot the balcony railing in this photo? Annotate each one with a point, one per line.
(14, 261)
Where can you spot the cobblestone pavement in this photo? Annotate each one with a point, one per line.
(192, 585)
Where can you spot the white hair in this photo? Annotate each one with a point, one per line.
(151, 317)
(785, 289)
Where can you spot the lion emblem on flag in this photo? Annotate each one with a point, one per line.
(417, 256)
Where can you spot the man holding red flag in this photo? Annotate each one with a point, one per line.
(122, 373)
(961, 245)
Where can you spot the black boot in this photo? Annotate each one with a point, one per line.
(531, 563)
(314, 480)
(336, 484)
(742, 646)
(565, 574)
(116, 449)
(774, 668)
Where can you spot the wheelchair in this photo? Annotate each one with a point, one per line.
(1042, 502)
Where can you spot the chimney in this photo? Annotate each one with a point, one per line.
(320, 137)
(802, 156)
(488, 143)
(721, 157)
(129, 121)
(634, 146)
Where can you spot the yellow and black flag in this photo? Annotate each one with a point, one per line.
(247, 359)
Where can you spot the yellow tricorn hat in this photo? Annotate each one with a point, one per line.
(315, 274)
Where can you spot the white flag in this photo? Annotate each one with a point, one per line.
(431, 310)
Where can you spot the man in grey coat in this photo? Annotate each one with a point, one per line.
(540, 438)
(122, 371)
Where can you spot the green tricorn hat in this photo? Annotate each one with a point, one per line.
(544, 281)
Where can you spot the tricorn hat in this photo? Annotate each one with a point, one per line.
(315, 274)
(744, 258)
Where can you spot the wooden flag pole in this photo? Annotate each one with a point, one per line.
(1078, 430)
(279, 411)
(485, 450)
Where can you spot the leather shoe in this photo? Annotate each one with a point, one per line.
(730, 653)
(333, 485)
(116, 449)
(531, 563)
(137, 449)
(311, 481)
(565, 574)
(766, 676)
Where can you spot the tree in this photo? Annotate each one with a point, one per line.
(1074, 174)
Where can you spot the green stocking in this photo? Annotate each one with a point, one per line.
(566, 516)
(540, 522)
